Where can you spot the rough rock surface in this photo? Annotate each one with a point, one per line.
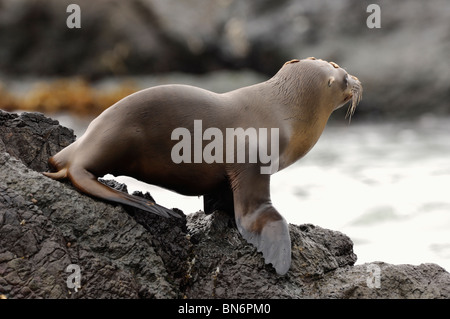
(46, 225)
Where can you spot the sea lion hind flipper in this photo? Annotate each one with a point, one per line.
(273, 241)
(59, 175)
(87, 183)
(143, 204)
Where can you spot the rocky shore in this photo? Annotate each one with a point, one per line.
(121, 252)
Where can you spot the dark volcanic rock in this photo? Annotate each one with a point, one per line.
(33, 138)
(225, 266)
(46, 225)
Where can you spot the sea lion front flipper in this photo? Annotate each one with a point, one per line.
(87, 183)
(273, 239)
(260, 223)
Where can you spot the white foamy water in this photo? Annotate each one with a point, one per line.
(385, 185)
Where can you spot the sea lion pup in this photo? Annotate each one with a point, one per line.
(135, 137)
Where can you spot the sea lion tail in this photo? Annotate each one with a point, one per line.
(87, 183)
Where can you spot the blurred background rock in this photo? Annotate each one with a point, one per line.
(404, 65)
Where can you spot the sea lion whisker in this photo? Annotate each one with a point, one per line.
(356, 98)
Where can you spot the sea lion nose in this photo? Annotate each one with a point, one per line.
(354, 86)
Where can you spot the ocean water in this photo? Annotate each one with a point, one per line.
(385, 184)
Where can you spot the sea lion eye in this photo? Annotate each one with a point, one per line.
(330, 81)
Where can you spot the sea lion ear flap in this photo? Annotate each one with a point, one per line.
(292, 61)
(330, 80)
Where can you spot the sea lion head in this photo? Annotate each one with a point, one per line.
(324, 82)
(343, 87)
